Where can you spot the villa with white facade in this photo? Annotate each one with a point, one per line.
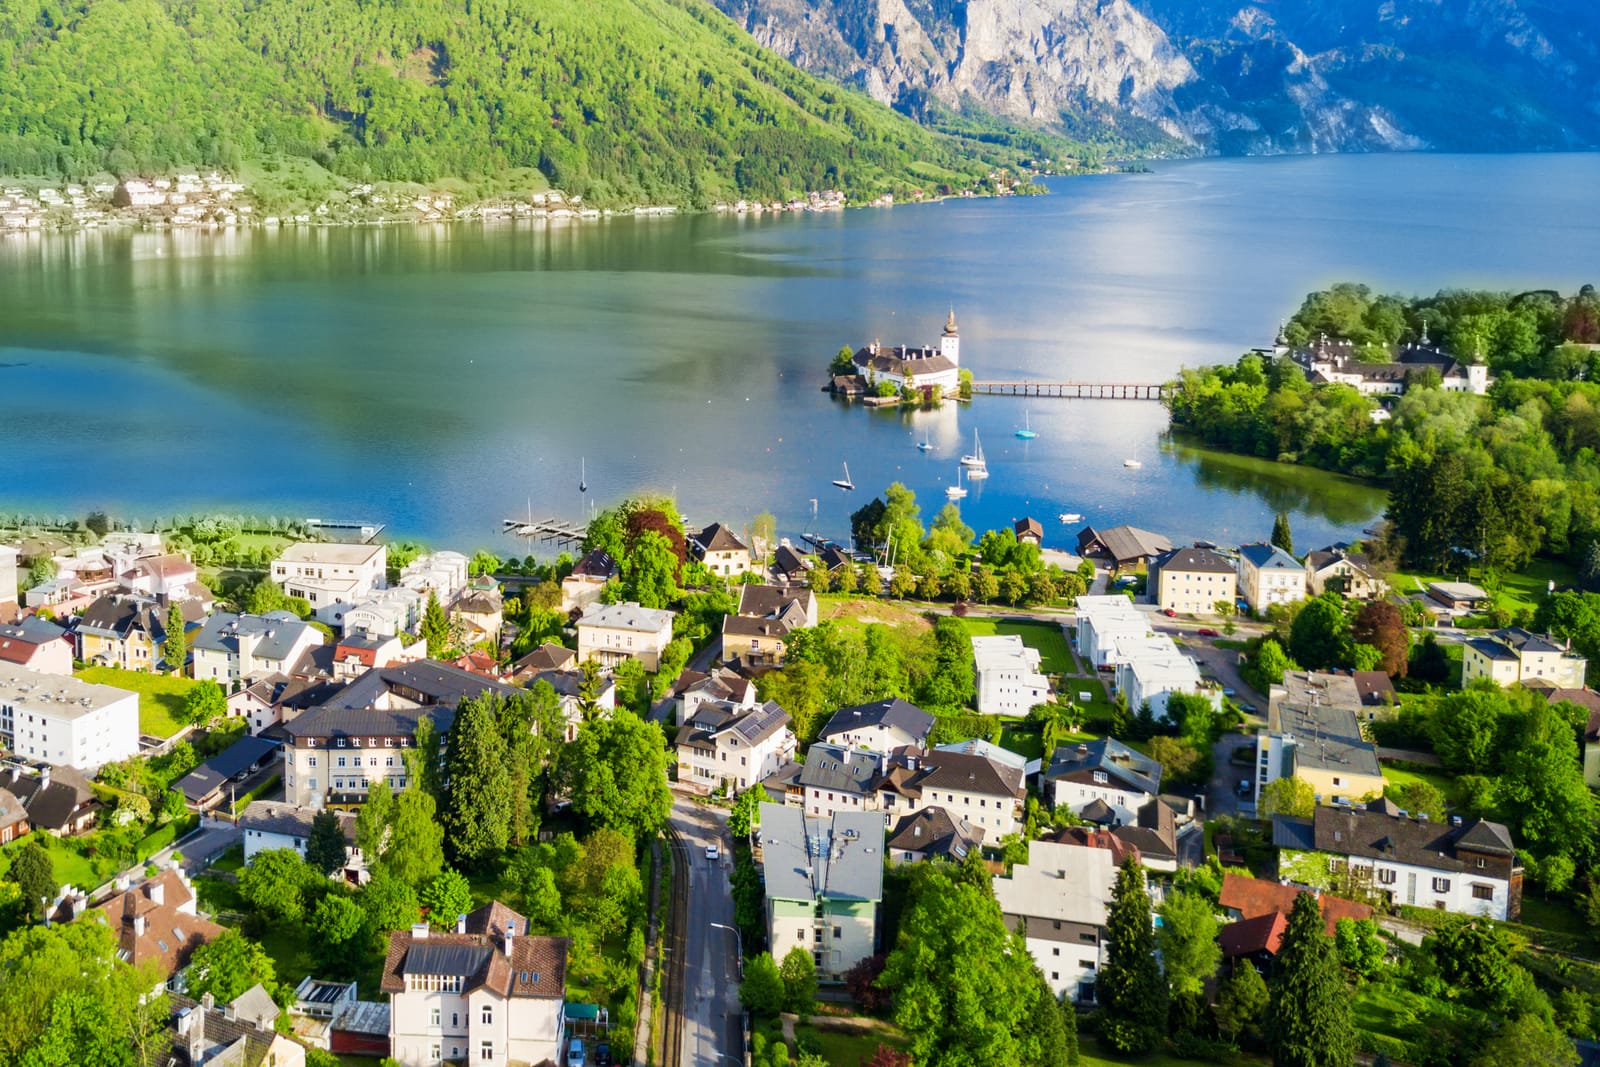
(1008, 677)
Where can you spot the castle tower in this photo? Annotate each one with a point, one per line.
(950, 342)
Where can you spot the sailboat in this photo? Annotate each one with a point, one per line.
(845, 483)
(957, 491)
(975, 461)
(1026, 433)
(924, 445)
(583, 479)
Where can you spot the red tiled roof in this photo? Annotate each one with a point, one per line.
(1089, 837)
(1264, 933)
(170, 936)
(1255, 897)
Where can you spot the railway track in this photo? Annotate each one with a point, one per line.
(676, 957)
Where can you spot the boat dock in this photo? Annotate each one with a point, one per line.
(363, 532)
(547, 531)
(1072, 390)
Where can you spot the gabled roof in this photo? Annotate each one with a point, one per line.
(773, 601)
(1026, 526)
(276, 636)
(1246, 937)
(1124, 544)
(1265, 557)
(409, 691)
(273, 817)
(596, 564)
(841, 769)
(169, 935)
(119, 616)
(1523, 641)
(1372, 834)
(1584, 698)
(715, 719)
(49, 801)
(1323, 558)
(718, 538)
(894, 714)
(933, 831)
(1107, 754)
(547, 657)
(1186, 560)
(1255, 897)
(1375, 687)
(788, 560)
(968, 772)
(18, 641)
(535, 967)
(214, 773)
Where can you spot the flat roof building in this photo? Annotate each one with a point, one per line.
(65, 720)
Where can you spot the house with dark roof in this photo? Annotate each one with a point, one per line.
(13, 817)
(1513, 656)
(1375, 688)
(1102, 781)
(721, 684)
(241, 1033)
(790, 565)
(823, 884)
(157, 921)
(278, 698)
(721, 551)
(839, 778)
(124, 631)
(1466, 866)
(757, 632)
(1350, 574)
(727, 745)
(37, 644)
(337, 750)
(233, 650)
(1121, 546)
(207, 785)
(933, 833)
(1028, 531)
(56, 799)
(487, 991)
(881, 726)
(268, 824)
(589, 576)
(1314, 733)
(547, 657)
(1193, 581)
(1268, 575)
(984, 791)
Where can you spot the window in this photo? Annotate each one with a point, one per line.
(455, 1020)
(1482, 863)
(1087, 965)
(488, 1015)
(1100, 778)
(1483, 892)
(341, 761)
(838, 932)
(433, 1053)
(311, 761)
(1386, 876)
(433, 1017)
(1055, 952)
(487, 1051)
(1441, 885)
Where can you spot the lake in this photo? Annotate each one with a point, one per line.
(439, 379)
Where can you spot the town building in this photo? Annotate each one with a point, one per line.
(1589, 701)
(335, 752)
(331, 1016)
(936, 371)
(241, 1032)
(1009, 681)
(1058, 902)
(588, 579)
(1193, 581)
(119, 630)
(1458, 597)
(725, 746)
(1314, 733)
(56, 800)
(385, 612)
(443, 574)
(1268, 575)
(167, 578)
(1515, 656)
(37, 644)
(721, 551)
(157, 921)
(881, 726)
(480, 612)
(611, 633)
(1102, 621)
(276, 698)
(1258, 912)
(8, 578)
(485, 993)
(757, 633)
(1102, 781)
(65, 720)
(568, 687)
(1347, 573)
(547, 657)
(1150, 669)
(790, 565)
(824, 882)
(1122, 546)
(838, 778)
(981, 790)
(234, 650)
(331, 577)
(933, 833)
(694, 688)
(1464, 866)
(269, 824)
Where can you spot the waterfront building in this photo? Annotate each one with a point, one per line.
(721, 551)
(331, 576)
(1193, 581)
(934, 370)
(1268, 575)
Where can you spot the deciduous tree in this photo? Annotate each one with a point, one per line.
(762, 990)
(1287, 796)
(274, 885)
(1320, 635)
(446, 895)
(1187, 939)
(34, 873)
(799, 974)
(1380, 625)
(204, 703)
(228, 965)
(615, 773)
(336, 925)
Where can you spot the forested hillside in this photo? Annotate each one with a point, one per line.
(642, 100)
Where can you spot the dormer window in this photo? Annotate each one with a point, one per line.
(1100, 778)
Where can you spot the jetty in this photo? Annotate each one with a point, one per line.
(546, 531)
(362, 532)
(1072, 390)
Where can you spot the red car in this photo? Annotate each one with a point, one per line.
(1169, 613)
(1206, 631)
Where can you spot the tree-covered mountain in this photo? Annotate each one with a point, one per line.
(1220, 75)
(652, 100)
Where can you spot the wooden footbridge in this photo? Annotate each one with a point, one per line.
(1072, 390)
(547, 530)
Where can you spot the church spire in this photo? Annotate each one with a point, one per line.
(950, 323)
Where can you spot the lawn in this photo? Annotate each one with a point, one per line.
(69, 867)
(856, 613)
(1523, 590)
(842, 1049)
(161, 696)
(1404, 776)
(1400, 1020)
(1091, 1053)
(1054, 655)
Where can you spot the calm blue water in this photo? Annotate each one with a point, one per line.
(439, 379)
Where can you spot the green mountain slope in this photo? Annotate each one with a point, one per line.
(641, 100)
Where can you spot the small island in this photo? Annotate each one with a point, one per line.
(904, 374)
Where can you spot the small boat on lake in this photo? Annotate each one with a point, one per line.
(924, 445)
(1070, 517)
(975, 461)
(845, 483)
(1026, 433)
(1132, 464)
(957, 491)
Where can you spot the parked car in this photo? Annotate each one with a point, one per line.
(602, 1054)
(575, 1053)
(1206, 631)
(1230, 692)
(713, 853)
(1248, 709)
(1169, 613)
(1244, 787)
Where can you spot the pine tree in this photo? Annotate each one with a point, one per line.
(1131, 986)
(325, 847)
(1280, 533)
(478, 792)
(174, 649)
(1308, 1024)
(435, 627)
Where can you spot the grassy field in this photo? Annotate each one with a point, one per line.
(1522, 590)
(161, 696)
(857, 613)
(1093, 1054)
(1400, 777)
(848, 1049)
(1054, 655)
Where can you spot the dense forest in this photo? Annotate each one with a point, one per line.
(616, 100)
(1499, 478)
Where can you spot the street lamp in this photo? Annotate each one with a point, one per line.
(738, 940)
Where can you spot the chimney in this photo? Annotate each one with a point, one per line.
(419, 931)
(138, 926)
(155, 891)
(511, 933)
(44, 777)
(461, 924)
(247, 653)
(208, 1002)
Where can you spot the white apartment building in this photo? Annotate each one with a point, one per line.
(824, 882)
(64, 720)
(1103, 619)
(1151, 668)
(441, 573)
(331, 576)
(727, 744)
(386, 612)
(1058, 901)
(234, 649)
(611, 633)
(8, 574)
(1008, 676)
(1268, 575)
(487, 993)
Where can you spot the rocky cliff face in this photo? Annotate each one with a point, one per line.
(1271, 76)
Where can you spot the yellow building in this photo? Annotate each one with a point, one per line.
(1514, 655)
(1193, 581)
(1313, 734)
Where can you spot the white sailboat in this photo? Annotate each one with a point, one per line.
(924, 445)
(845, 483)
(1070, 517)
(957, 491)
(975, 464)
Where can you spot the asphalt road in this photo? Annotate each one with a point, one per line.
(712, 1029)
